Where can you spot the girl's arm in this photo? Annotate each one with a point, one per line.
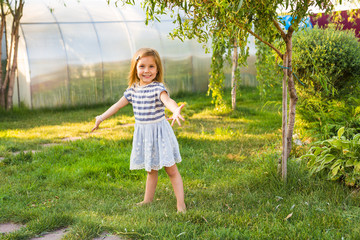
(111, 111)
(173, 107)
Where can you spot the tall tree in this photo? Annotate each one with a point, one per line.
(15, 8)
(203, 19)
(2, 28)
(225, 48)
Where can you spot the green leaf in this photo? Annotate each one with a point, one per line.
(349, 163)
(335, 170)
(310, 156)
(336, 143)
(356, 137)
(320, 159)
(337, 163)
(357, 167)
(317, 150)
(328, 158)
(341, 132)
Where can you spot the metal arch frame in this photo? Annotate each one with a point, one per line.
(67, 81)
(129, 35)
(101, 53)
(17, 70)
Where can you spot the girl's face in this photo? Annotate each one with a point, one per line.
(146, 70)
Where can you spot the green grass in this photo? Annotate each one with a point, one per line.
(229, 172)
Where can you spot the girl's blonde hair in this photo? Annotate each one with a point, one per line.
(145, 52)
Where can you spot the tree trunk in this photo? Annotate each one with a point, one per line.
(2, 26)
(14, 61)
(287, 124)
(283, 163)
(233, 75)
(12, 57)
(4, 87)
(10, 92)
(3, 97)
(293, 97)
(3, 83)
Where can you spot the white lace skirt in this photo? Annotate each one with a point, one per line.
(154, 146)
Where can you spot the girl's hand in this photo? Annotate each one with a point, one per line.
(177, 115)
(98, 120)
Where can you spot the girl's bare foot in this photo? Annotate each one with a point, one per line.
(142, 203)
(181, 208)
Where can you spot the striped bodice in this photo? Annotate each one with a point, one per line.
(146, 102)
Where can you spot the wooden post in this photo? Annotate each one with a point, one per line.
(293, 97)
(233, 75)
(284, 154)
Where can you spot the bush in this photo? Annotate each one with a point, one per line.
(323, 118)
(338, 158)
(327, 61)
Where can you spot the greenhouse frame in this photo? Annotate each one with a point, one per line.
(79, 53)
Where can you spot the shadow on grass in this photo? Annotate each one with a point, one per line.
(27, 119)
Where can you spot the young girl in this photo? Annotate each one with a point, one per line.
(154, 142)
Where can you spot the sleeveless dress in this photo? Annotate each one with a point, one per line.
(154, 142)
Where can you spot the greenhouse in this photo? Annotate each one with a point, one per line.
(79, 53)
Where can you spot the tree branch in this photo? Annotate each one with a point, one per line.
(9, 7)
(263, 41)
(260, 39)
(277, 25)
(290, 31)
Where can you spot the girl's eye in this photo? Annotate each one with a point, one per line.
(142, 66)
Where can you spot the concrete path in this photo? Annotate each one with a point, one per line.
(6, 228)
(56, 235)
(9, 227)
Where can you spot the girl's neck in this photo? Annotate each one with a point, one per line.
(144, 84)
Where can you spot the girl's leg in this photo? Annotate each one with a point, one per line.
(177, 184)
(151, 183)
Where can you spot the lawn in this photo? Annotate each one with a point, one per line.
(229, 171)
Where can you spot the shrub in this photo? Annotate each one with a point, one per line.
(327, 61)
(338, 158)
(324, 117)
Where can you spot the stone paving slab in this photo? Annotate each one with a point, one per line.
(9, 227)
(56, 235)
(6, 228)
